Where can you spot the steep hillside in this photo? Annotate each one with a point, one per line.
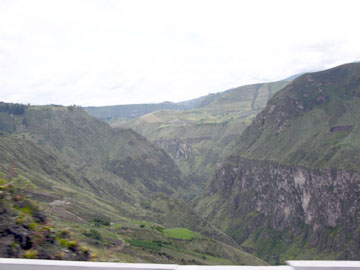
(31, 230)
(291, 188)
(93, 148)
(26, 232)
(197, 139)
(80, 169)
(73, 156)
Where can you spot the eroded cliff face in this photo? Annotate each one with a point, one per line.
(176, 148)
(282, 213)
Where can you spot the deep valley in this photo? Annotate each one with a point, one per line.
(254, 175)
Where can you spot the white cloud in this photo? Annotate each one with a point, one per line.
(102, 52)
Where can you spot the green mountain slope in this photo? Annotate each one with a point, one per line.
(80, 170)
(93, 148)
(314, 121)
(198, 139)
(291, 188)
(30, 230)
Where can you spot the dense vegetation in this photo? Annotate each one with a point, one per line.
(12, 108)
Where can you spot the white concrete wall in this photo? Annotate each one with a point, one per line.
(24, 264)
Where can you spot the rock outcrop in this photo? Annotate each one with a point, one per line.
(298, 208)
(291, 188)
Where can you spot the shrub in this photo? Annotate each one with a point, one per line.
(31, 254)
(157, 228)
(72, 245)
(63, 242)
(101, 221)
(65, 234)
(94, 234)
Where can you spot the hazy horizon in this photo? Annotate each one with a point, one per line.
(97, 53)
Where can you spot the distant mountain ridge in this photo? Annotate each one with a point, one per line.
(131, 111)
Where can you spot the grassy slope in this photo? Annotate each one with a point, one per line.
(73, 148)
(293, 130)
(208, 132)
(141, 241)
(80, 169)
(31, 230)
(25, 230)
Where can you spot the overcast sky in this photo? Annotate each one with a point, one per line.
(106, 52)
